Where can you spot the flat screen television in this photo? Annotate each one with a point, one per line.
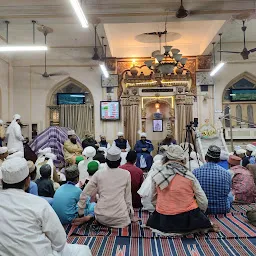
(110, 110)
(242, 95)
(70, 98)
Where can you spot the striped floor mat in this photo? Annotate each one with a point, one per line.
(124, 246)
(232, 225)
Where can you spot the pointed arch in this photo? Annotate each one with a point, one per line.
(60, 87)
(245, 75)
(63, 84)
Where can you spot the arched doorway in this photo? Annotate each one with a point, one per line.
(75, 115)
(235, 95)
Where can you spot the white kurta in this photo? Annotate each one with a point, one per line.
(124, 154)
(114, 205)
(14, 137)
(29, 226)
(82, 167)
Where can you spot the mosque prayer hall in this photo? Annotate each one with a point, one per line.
(127, 128)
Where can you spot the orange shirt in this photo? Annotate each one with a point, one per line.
(177, 198)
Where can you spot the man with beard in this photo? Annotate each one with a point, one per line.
(143, 148)
(124, 145)
(103, 142)
(89, 141)
(72, 148)
(14, 136)
(169, 140)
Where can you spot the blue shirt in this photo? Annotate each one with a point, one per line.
(224, 164)
(33, 189)
(216, 183)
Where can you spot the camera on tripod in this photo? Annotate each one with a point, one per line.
(193, 124)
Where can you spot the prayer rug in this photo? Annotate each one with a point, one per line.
(125, 246)
(232, 225)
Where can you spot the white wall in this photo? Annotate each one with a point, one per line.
(31, 91)
(5, 90)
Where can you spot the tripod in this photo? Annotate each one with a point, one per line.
(189, 138)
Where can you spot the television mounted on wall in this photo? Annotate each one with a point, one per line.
(110, 110)
(71, 98)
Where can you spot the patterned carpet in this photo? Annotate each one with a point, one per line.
(120, 246)
(237, 237)
(232, 225)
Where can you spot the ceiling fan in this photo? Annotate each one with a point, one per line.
(245, 53)
(182, 12)
(46, 30)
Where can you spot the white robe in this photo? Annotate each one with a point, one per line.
(82, 167)
(29, 226)
(38, 165)
(124, 154)
(14, 137)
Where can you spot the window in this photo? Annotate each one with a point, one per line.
(238, 115)
(250, 116)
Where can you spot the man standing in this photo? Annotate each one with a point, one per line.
(72, 148)
(29, 226)
(123, 144)
(2, 133)
(136, 177)
(14, 136)
(216, 182)
(144, 148)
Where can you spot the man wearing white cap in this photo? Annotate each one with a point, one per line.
(89, 153)
(144, 148)
(2, 133)
(124, 145)
(3, 154)
(249, 159)
(113, 185)
(72, 148)
(29, 226)
(14, 136)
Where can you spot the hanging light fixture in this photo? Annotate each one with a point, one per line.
(217, 68)
(80, 13)
(21, 48)
(166, 63)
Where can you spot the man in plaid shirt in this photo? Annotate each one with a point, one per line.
(216, 182)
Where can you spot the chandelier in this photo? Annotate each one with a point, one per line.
(171, 62)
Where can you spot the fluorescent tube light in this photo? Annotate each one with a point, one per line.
(80, 13)
(104, 70)
(217, 68)
(14, 48)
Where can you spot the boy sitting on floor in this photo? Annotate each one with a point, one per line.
(67, 196)
(45, 184)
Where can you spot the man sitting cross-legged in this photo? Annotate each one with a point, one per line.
(67, 196)
(29, 225)
(216, 182)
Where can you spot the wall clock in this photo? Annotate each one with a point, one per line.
(111, 81)
(204, 78)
